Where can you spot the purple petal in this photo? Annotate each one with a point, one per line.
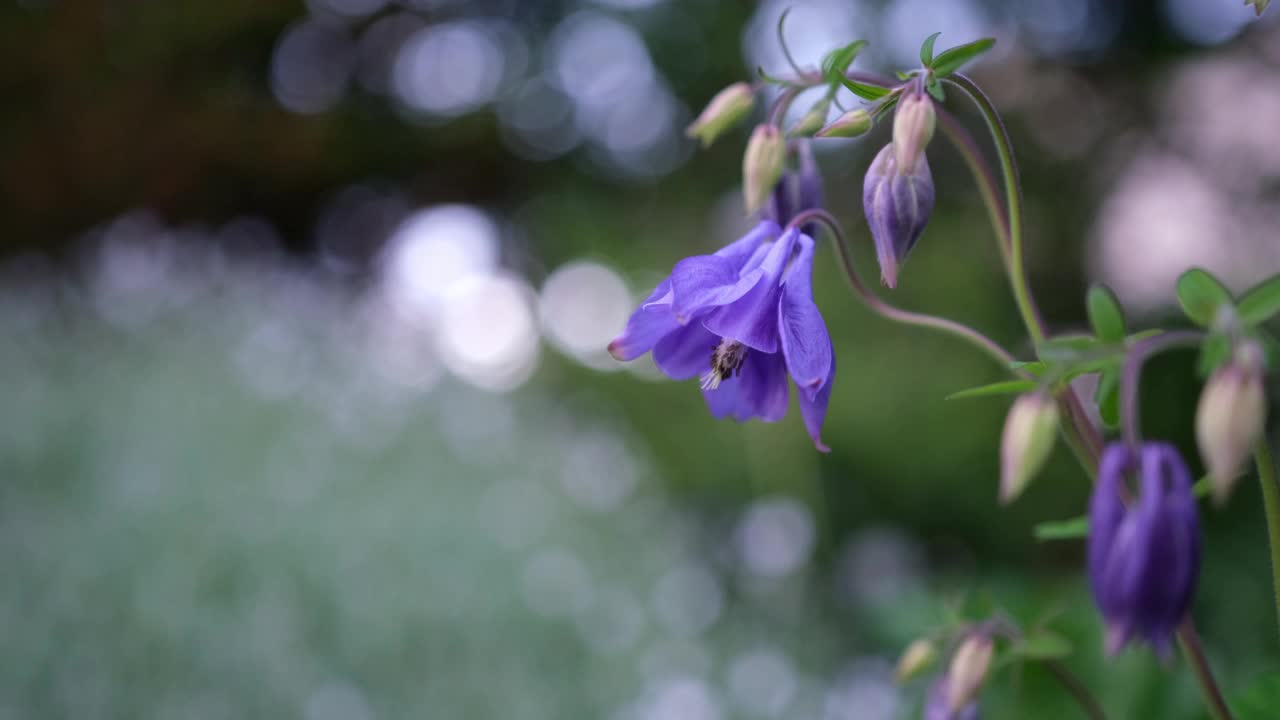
(752, 318)
(685, 353)
(813, 408)
(805, 342)
(1106, 511)
(647, 325)
(760, 390)
(706, 281)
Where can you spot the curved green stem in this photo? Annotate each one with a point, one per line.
(964, 332)
(1013, 191)
(982, 175)
(1271, 503)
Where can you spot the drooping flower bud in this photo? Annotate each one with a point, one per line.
(1029, 431)
(913, 123)
(1230, 417)
(762, 165)
(936, 706)
(917, 658)
(725, 110)
(1144, 558)
(968, 670)
(851, 124)
(812, 121)
(897, 206)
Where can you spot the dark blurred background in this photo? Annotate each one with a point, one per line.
(305, 410)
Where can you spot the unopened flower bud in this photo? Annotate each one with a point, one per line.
(851, 124)
(913, 124)
(897, 206)
(968, 670)
(762, 165)
(812, 121)
(936, 707)
(1029, 432)
(1230, 417)
(917, 658)
(725, 110)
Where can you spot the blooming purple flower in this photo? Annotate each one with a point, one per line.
(1144, 558)
(743, 320)
(937, 705)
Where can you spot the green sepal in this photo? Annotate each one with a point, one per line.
(1215, 350)
(926, 50)
(934, 88)
(1006, 387)
(1261, 302)
(1105, 315)
(1107, 397)
(951, 60)
(1042, 645)
(1201, 295)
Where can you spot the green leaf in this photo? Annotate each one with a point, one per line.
(903, 75)
(1035, 367)
(1105, 315)
(1215, 351)
(1261, 302)
(926, 50)
(782, 82)
(1107, 397)
(1042, 645)
(934, 88)
(1007, 387)
(1142, 335)
(838, 61)
(951, 60)
(863, 90)
(1072, 529)
(1066, 347)
(1203, 487)
(1200, 295)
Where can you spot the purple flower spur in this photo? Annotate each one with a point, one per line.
(742, 320)
(1144, 558)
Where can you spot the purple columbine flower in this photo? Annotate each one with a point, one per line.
(1144, 558)
(742, 320)
(937, 704)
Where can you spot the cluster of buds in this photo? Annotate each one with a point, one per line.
(1230, 416)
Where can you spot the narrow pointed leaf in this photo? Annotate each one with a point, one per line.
(838, 61)
(1142, 335)
(926, 50)
(1105, 315)
(934, 88)
(1035, 367)
(863, 90)
(1007, 387)
(1200, 295)
(1072, 529)
(951, 60)
(1260, 303)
